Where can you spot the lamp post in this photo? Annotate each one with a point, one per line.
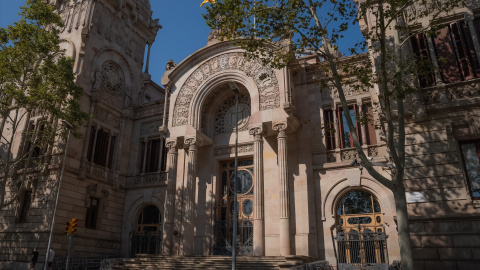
(66, 123)
(234, 88)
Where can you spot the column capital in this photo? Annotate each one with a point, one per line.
(256, 132)
(171, 145)
(281, 127)
(193, 142)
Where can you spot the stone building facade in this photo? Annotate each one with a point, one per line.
(155, 177)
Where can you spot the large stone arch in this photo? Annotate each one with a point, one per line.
(199, 99)
(131, 212)
(221, 68)
(383, 195)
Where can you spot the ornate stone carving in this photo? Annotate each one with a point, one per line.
(264, 77)
(112, 77)
(331, 157)
(193, 142)
(170, 65)
(230, 150)
(256, 132)
(465, 91)
(150, 127)
(331, 92)
(348, 154)
(431, 96)
(107, 118)
(148, 110)
(225, 117)
(474, 123)
(281, 128)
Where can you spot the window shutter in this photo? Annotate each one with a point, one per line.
(329, 129)
(90, 144)
(468, 37)
(447, 57)
(462, 54)
(111, 152)
(370, 127)
(422, 55)
(340, 127)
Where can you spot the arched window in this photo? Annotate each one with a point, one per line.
(147, 235)
(361, 238)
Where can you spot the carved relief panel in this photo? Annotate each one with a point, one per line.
(264, 77)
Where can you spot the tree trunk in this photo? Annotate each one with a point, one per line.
(403, 227)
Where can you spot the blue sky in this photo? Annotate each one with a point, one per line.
(184, 30)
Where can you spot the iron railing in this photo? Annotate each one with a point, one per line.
(362, 248)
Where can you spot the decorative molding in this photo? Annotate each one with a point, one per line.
(474, 123)
(106, 117)
(153, 109)
(150, 127)
(229, 150)
(263, 76)
(464, 91)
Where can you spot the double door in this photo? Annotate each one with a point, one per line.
(225, 206)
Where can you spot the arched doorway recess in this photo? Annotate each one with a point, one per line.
(147, 235)
(361, 239)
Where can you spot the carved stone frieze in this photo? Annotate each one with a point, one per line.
(464, 91)
(106, 117)
(264, 77)
(331, 92)
(229, 150)
(150, 127)
(149, 110)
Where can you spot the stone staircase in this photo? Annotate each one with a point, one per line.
(150, 262)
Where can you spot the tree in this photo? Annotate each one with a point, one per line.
(273, 30)
(36, 80)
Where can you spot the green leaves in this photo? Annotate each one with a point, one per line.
(34, 73)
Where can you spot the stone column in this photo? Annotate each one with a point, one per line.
(285, 236)
(170, 201)
(189, 196)
(258, 205)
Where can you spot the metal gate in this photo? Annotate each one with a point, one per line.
(361, 247)
(146, 243)
(223, 238)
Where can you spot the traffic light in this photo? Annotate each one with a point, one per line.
(67, 229)
(73, 225)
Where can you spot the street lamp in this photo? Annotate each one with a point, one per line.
(70, 126)
(234, 88)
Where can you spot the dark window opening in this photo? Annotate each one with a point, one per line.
(153, 156)
(25, 207)
(471, 161)
(101, 148)
(92, 213)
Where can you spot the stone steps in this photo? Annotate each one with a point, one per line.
(150, 262)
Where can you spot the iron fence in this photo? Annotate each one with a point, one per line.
(362, 248)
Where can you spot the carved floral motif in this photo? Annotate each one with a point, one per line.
(150, 127)
(465, 91)
(263, 76)
(229, 150)
(112, 77)
(107, 118)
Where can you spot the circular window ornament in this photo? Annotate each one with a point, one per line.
(244, 181)
(231, 117)
(112, 77)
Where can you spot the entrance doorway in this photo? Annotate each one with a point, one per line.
(147, 235)
(224, 208)
(361, 238)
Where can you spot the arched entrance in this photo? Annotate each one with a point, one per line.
(361, 238)
(147, 236)
(224, 208)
